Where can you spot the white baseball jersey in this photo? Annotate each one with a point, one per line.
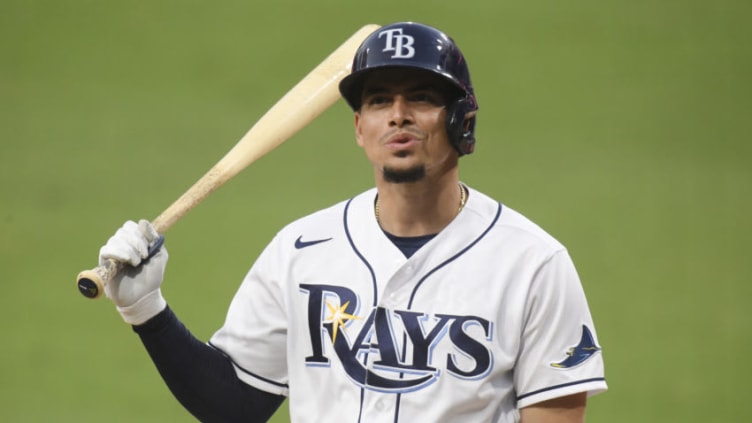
(487, 317)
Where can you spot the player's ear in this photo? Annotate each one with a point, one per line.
(358, 131)
(467, 123)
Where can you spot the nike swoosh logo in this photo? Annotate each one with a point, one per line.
(299, 243)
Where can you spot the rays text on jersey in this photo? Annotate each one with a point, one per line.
(400, 346)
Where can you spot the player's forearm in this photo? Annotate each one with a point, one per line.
(569, 409)
(200, 377)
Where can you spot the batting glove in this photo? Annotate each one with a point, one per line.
(135, 290)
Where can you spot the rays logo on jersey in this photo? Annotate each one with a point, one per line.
(579, 353)
(401, 345)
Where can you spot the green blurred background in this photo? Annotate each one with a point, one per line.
(623, 128)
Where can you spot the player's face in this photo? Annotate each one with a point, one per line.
(401, 125)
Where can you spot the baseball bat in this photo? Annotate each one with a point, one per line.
(310, 97)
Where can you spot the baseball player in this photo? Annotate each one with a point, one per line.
(419, 300)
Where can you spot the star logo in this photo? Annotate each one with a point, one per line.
(337, 317)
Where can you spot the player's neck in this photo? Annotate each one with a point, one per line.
(417, 209)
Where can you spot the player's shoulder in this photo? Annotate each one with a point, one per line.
(514, 226)
(320, 224)
(523, 226)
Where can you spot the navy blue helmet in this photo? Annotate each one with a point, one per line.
(414, 45)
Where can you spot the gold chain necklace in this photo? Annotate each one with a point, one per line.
(463, 200)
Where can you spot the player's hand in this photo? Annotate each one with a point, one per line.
(136, 288)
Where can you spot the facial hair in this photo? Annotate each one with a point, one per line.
(401, 176)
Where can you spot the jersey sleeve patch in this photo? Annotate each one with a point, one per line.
(579, 353)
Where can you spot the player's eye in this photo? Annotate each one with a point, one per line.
(427, 97)
(376, 100)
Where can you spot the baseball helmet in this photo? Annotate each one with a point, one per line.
(414, 45)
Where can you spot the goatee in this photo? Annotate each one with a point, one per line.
(413, 174)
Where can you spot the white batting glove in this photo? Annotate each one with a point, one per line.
(135, 290)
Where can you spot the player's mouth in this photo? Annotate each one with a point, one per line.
(402, 141)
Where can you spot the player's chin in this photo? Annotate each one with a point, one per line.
(404, 174)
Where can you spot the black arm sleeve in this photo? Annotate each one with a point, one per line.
(201, 377)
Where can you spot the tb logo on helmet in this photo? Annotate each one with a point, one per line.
(399, 43)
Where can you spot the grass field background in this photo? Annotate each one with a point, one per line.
(623, 128)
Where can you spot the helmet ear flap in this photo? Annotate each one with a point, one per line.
(460, 129)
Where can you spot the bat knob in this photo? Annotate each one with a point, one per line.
(89, 284)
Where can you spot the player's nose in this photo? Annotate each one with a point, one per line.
(400, 112)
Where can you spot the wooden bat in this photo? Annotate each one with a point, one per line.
(310, 97)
